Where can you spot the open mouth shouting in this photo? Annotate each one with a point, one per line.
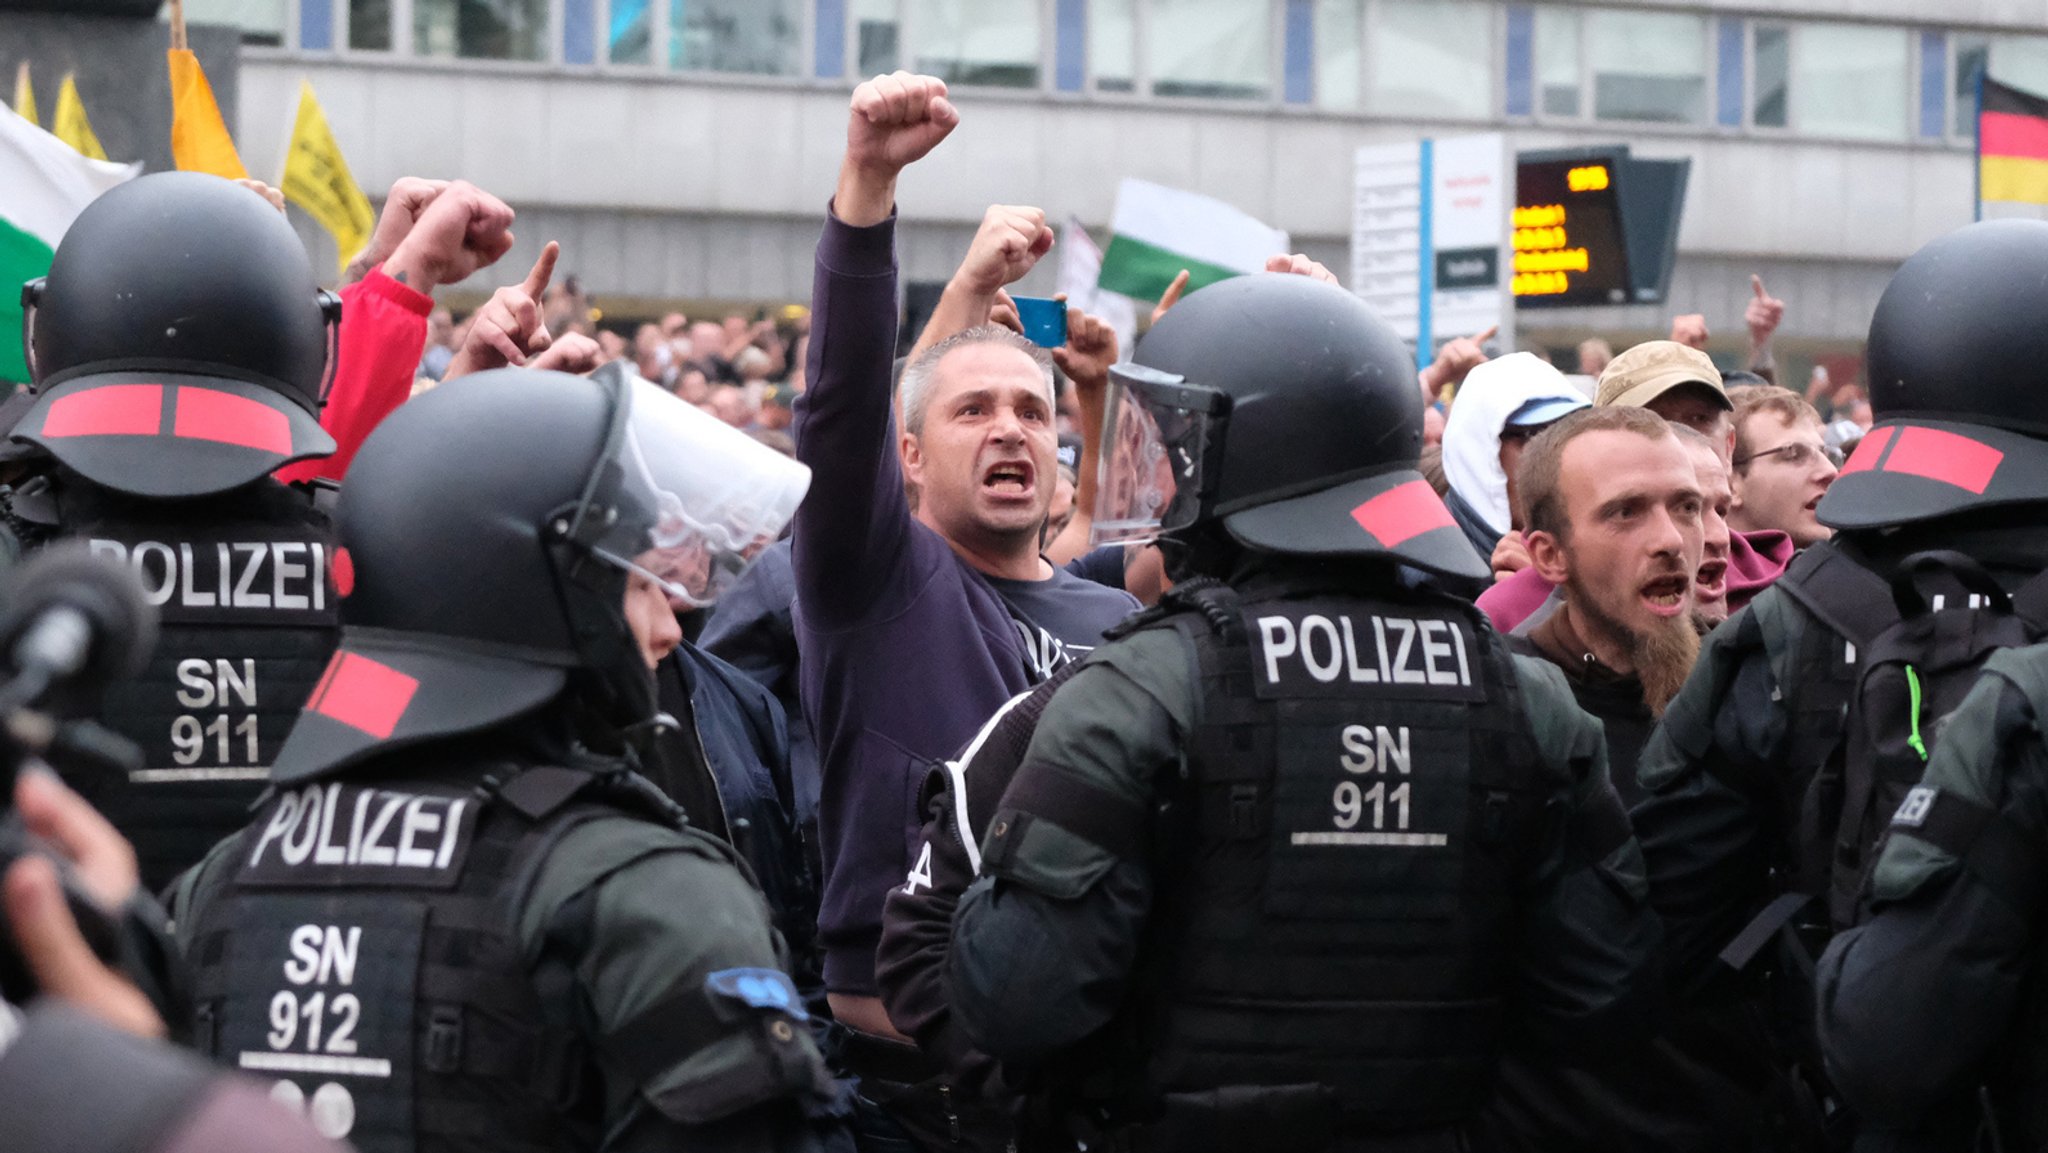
(1010, 480)
(1711, 582)
(1664, 596)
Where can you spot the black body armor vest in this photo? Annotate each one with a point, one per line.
(359, 945)
(1338, 869)
(246, 585)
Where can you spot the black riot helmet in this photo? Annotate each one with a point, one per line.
(179, 345)
(1958, 367)
(1283, 410)
(487, 532)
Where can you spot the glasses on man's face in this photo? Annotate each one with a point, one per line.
(1798, 454)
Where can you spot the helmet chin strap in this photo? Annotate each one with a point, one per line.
(1201, 549)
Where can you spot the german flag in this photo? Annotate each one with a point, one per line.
(2012, 145)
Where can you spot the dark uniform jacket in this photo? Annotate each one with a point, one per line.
(1046, 944)
(1726, 772)
(651, 960)
(729, 767)
(248, 587)
(753, 628)
(1932, 1015)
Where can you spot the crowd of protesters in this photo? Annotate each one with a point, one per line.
(958, 549)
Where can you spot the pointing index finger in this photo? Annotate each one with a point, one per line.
(1756, 285)
(543, 270)
(1172, 294)
(1489, 334)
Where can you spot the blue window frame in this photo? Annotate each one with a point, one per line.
(316, 25)
(1933, 84)
(1070, 45)
(829, 44)
(1298, 57)
(1728, 85)
(1521, 72)
(579, 31)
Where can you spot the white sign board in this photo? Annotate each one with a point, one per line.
(1430, 223)
(1386, 236)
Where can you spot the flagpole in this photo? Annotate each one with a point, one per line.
(1977, 173)
(178, 25)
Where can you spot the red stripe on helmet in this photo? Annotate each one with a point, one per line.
(1402, 512)
(209, 414)
(1944, 456)
(1867, 451)
(109, 410)
(326, 675)
(364, 694)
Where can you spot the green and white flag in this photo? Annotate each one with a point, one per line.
(1157, 231)
(44, 185)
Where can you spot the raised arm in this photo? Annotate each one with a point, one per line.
(430, 234)
(851, 531)
(1009, 242)
(1086, 357)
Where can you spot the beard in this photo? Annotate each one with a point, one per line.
(1663, 655)
(1664, 659)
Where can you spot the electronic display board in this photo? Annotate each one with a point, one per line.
(1569, 241)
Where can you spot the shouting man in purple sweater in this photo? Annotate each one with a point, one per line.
(914, 625)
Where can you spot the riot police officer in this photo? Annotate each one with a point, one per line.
(179, 348)
(1811, 714)
(462, 920)
(1931, 1015)
(1288, 863)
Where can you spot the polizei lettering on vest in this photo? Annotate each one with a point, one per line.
(1397, 650)
(327, 825)
(281, 575)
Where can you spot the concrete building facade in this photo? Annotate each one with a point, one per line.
(682, 150)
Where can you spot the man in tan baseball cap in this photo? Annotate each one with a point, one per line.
(1675, 381)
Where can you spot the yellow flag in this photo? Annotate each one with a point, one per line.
(316, 178)
(199, 139)
(25, 96)
(68, 122)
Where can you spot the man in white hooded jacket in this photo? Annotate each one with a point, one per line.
(1502, 404)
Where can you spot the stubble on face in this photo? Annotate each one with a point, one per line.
(1663, 654)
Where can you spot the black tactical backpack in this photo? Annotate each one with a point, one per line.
(1951, 615)
(1918, 642)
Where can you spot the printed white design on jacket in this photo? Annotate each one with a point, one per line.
(381, 828)
(1367, 650)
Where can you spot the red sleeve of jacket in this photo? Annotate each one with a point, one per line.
(383, 332)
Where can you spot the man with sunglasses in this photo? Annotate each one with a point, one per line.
(1783, 466)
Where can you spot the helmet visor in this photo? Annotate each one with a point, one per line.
(696, 498)
(1158, 433)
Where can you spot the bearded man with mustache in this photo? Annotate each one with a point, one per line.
(1615, 514)
(1618, 517)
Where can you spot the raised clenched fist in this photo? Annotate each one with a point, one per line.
(895, 119)
(1006, 246)
(462, 230)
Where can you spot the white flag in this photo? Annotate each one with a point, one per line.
(1080, 268)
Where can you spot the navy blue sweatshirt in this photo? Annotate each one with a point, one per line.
(904, 648)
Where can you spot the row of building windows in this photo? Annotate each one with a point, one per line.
(1444, 59)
